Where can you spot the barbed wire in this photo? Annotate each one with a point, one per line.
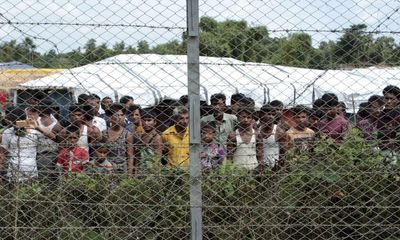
(98, 25)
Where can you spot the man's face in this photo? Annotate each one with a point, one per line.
(32, 115)
(100, 154)
(128, 103)
(235, 107)
(391, 101)
(330, 112)
(148, 124)
(219, 106)
(94, 102)
(76, 117)
(183, 120)
(73, 139)
(207, 135)
(375, 109)
(106, 103)
(135, 116)
(118, 118)
(301, 119)
(245, 119)
(279, 112)
(268, 117)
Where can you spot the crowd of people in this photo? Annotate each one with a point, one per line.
(102, 136)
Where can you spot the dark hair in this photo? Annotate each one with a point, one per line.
(82, 98)
(184, 99)
(392, 90)
(248, 102)
(73, 129)
(218, 96)
(267, 108)
(75, 108)
(88, 112)
(145, 113)
(125, 99)
(115, 107)
(276, 104)
(106, 97)
(100, 145)
(362, 110)
(209, 124)
(300, 109)
(94, 96)
(133, 108)
(342, 104)
(237, 97)
(318, 103)
(329, 100)
(247, 110)
(376, 98)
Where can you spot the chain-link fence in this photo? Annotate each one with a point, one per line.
(293, 108)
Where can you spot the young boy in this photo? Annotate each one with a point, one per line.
(300, 135)
(100, 162)
(245, 145)
(71, 157)
(211, 155)
(151, 145)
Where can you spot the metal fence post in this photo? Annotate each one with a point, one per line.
(194, 122)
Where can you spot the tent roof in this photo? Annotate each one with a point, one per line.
(148, 78)
(15, 65)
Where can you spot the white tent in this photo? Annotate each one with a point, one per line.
(150, 78)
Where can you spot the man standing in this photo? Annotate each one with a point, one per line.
(245, 146)
(225, 123)
(388, 124)
(176, 140)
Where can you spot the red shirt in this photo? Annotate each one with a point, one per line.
(72, 159)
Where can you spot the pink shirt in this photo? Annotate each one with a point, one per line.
(335, 128)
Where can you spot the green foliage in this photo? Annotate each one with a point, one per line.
(332, 192)
(229, 38)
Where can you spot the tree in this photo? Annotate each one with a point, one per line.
(143, 47)
(295, 51)
(382, 50)
(352, 46)
(119, 48)
(172, 47)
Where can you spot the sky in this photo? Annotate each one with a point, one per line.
(69, 24)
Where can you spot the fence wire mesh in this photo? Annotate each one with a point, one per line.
(300, 113)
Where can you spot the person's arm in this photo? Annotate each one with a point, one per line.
(165, 149)
(231, 146)
(131, 161)
(260, 149)
(281, 137)
(158, 145)
(44, 131)
(3, 154)
(94, 134)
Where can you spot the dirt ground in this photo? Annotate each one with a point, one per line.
(10, 78)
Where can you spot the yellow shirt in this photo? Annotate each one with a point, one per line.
(178, 147)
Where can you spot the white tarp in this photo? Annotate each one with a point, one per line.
(149, 78)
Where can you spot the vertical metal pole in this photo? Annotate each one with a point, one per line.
(194, 121)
